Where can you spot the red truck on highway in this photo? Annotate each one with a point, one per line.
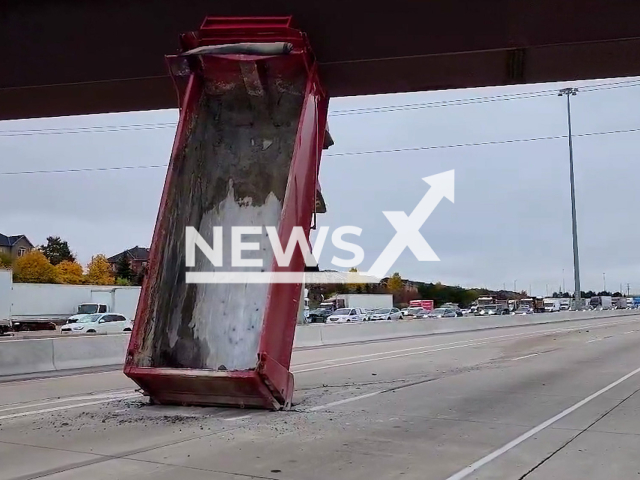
(426, 304)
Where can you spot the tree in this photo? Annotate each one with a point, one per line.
(354, 287)
(99, 271)
(139, 278)
(123, 268)
(395, 284)
(57, 250)
(617, 294)
(69, 272)
(5, 260)
(123, 282)
(34, 267)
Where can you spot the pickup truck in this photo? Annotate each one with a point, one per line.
(318, 315)
(5, 326)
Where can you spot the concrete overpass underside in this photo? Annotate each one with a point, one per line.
(89, 56)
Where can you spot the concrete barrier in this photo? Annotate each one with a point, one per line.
(63, 353)
(385, 330)
(308, 336)
(90, 351)
(19, 356)
(371, 331)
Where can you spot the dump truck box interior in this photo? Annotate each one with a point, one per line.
(246, 154)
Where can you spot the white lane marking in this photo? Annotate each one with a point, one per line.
(526, 356)
(20, 406)
(594, 340)
(469, 343)
(68, 407)
(357, 362)
(233, 419)
(409, 349)
(346, 400)
(627, 333)
(483, 461)
(512, 335)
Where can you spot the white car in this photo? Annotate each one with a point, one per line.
(98, 323)
(413, 311)
(442, 313)
(344, 315)
(128, 326)
(386, 314)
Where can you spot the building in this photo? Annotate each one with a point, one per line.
(137, 256)
(15, 245)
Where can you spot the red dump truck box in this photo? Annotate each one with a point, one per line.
(246, 153)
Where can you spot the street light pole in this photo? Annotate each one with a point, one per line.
(568, 92)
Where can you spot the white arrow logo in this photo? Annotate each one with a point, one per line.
(408, 228)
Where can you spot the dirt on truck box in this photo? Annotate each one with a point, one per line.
(246, 153)
(233, 170)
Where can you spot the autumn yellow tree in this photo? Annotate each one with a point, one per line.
(5, 260)
(396, 287)
(354, 287)
(34, 267)
(395, 284)
(99, 271)
(69, 272)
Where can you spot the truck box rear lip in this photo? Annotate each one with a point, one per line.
(244, 389)
(186, 372)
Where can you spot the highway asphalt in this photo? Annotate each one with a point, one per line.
(536, 402)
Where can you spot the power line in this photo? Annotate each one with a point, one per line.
(456, 145)
(609, 85)
(481, 144)
(94, 129)
(443, 103)
(336, 113)
(345, 154)
(485, 99)
(90, 169)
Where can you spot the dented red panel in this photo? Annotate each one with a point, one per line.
(247, 152)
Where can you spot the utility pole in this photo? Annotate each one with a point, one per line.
(604, 282)
(628, 290)
(569, 92)
(514, 285)
(563, 290)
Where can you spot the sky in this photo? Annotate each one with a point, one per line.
(510, 224)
